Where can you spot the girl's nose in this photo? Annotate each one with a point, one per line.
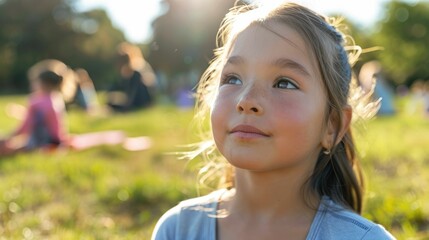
(249, 102)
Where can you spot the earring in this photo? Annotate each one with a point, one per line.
(327, 152)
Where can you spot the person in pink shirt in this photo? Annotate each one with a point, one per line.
(43, 123)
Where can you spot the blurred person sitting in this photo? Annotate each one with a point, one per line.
(43, 122)
(418, 103)
(132, 91)
(86, 95)
(371, 79)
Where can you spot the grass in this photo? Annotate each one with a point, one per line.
(395, 156)
(109, 193)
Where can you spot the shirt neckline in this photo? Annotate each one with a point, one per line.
(312, 232)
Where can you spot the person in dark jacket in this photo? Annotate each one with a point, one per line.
(132, 92)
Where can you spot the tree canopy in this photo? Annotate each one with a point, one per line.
(404, 35)
(33, 31)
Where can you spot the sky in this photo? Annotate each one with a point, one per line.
(134, 17)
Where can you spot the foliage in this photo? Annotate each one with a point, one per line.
(52, 29)
(109, 193)
(404, 35)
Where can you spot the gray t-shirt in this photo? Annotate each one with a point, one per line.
(196, 219)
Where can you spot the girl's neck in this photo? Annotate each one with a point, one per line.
(272, 195)
(266, 206)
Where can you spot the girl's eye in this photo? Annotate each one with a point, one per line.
(231, 79)
(285, 83)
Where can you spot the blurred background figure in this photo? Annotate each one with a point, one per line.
(68, 85)
(426, 99)
(43, 121)
(419, 98)
(137, 79)
(184, 96)
(86, 95)
(372, 72)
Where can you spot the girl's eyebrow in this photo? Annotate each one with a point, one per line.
(289, 63)
(280, 63)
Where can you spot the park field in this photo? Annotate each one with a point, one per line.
(107, 192)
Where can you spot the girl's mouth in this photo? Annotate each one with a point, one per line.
(248, 131)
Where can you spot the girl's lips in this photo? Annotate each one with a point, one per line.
(248, 131)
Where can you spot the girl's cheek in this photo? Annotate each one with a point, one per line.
(219, 113)
(223, 106)
(215, 123)
(216, 112)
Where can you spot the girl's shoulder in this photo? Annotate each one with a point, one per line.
(333, 221)
(191, 219)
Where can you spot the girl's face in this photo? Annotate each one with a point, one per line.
(270, 110)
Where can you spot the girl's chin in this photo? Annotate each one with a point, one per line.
(246, 164)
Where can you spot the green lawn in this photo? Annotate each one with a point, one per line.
(110, 193)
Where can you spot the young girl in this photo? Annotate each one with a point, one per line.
(43, 123)
(277, 95)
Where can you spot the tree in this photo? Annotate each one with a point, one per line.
(404, 35)
(33, 31)
(98, 47)
(24, 29)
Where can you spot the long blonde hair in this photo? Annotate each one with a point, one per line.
(336, 175)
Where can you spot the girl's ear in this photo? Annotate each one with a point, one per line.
(335, 131)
